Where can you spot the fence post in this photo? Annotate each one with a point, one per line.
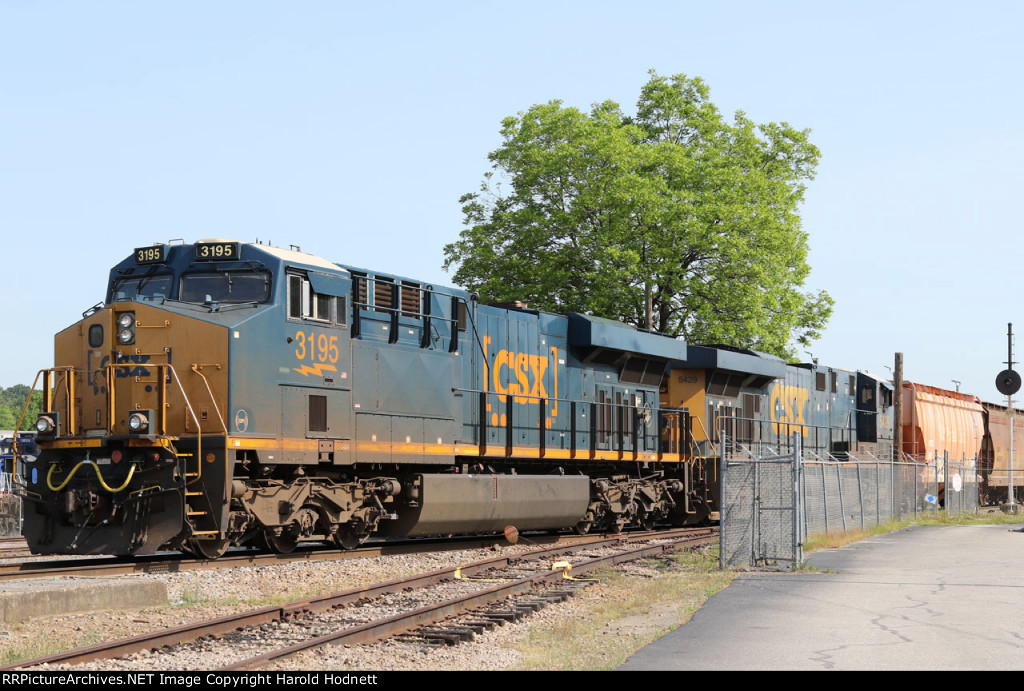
(916, 495)
(755, 519)
(860, 496)
(824, 494)
(798, 507)
(842, 504)
(723, 516)
(945, 480)
(878, 490)
(892, 491)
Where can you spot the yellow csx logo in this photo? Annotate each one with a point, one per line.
(521, 376)
(524, 374)
(787, 405)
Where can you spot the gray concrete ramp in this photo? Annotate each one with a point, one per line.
(926, 598)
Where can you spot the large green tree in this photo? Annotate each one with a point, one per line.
(592, 212)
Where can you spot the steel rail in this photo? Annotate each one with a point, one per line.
(402, 623)
(176, 563)
(165, 563)
(221, 625)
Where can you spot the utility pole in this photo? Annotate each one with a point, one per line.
(897, 413)
(648, 306)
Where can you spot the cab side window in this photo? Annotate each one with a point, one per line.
(304, 302)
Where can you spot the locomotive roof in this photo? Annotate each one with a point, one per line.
(299, 257)
(735, 360)
(595, 332)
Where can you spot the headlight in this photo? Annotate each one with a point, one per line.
(138, 423)
(126, 328)
(46, 424)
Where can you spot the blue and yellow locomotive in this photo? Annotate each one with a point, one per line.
(232, 393)
(759, 402)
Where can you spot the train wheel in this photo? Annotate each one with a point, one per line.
(282, 544)
(207, 549)
(350, 536)
(584, 526)
(648, 520)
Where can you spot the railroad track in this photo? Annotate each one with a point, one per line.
(84, 567)
(484, 593)
(11, 547)
(176, 562)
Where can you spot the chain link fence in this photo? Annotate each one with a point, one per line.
(771, 501)
(10, 508)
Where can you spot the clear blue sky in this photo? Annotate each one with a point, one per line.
(352, 129)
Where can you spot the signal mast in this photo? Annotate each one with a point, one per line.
(1008, 383)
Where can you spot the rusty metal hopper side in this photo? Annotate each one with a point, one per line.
(997, 446)
(938, 421)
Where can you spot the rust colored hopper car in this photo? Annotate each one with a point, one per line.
(940, 425)
(996, 473)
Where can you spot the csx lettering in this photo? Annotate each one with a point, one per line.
(787, 405)
(524, 374)
(121, 371)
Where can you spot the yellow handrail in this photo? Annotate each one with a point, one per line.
(109, 377)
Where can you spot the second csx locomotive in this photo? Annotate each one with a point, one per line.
(233, 393)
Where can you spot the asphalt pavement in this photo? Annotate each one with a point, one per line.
(925, 598)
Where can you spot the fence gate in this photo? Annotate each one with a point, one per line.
(760, 518)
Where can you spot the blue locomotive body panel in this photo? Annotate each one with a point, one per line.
(338, 363)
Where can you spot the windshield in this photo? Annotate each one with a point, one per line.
(226, 286)
(142, 288)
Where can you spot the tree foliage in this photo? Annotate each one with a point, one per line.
(12, 403)
(585, 211)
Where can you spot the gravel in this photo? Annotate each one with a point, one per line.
(199, 595)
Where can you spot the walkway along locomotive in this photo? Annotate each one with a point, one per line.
(232, 393)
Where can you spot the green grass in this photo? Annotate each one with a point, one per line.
(820, 541)
(58, 642)
(625, 612)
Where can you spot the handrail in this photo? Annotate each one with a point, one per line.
(707, 436)
(47, 405)
(216, 408)
(396, 310)
(109, 378)
(617, 434)
(195, 418)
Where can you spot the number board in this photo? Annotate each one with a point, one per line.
(212, 251)
(151, 255)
